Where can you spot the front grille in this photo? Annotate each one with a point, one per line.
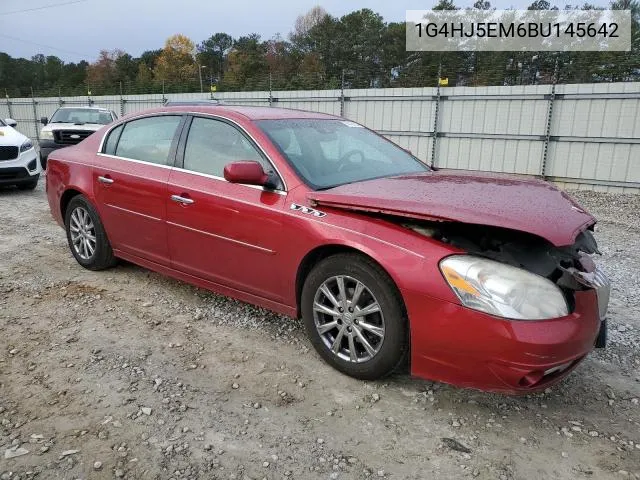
(8, 153)
(70, 137)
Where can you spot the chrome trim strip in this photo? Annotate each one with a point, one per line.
(232, 240)
(133, 213)
(142, 115)
(222, 179)
(132, 160)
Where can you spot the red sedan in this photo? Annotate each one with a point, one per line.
(478, 280)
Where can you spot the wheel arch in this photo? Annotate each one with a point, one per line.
(66, 198)
(319, 253)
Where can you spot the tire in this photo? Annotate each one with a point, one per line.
(80, 213)
(378, 288)
(29, 185)
(43, 162)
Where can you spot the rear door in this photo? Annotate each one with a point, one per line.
(222, 232)
(130, 182)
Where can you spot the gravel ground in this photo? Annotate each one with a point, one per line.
(128, 374)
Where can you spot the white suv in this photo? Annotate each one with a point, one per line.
(18, 163)
(69, 126)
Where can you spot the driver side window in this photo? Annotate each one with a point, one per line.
(212, 144)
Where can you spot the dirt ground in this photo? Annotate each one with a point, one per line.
(129, 374)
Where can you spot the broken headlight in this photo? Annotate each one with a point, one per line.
(502, 290)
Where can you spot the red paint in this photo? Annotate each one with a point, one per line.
(249, 172)
(242, 241)
(518, 203)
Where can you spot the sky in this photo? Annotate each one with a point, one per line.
(74, 30)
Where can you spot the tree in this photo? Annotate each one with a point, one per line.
(445, 5)
(103, 71)
(126, 68)
(360, 46)
(176, 63)
(482, 5)
(247, 64)
(304, 23)
(213, 53)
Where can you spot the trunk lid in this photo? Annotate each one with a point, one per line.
(507, 201)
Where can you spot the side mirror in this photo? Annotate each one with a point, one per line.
(11, 122)
(44, 120)
(248, 172)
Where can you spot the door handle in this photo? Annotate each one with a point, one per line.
(182, 200)
(105, 180)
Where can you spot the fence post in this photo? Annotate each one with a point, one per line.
(547, 134)
(35, 115)
(6, 95)
(270, 91)
(342, 95)
(435, 121)
(60, 101)
(164, 100)
(121, 101)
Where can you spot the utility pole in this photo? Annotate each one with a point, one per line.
(200, 67)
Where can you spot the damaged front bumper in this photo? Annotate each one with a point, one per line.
(457, 345)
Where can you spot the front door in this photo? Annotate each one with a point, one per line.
(223, 232)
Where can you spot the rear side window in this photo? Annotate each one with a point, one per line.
(112, 141)
(148, 139)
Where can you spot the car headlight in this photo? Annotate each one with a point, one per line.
(503, 290)
(27, 145)
(46, 135)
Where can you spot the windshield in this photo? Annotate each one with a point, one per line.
(328, 153)
(81, 115)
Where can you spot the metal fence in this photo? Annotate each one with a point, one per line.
(583, 136)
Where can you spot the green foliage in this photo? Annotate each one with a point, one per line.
(359, 49)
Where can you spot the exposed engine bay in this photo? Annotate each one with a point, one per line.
(569, 267)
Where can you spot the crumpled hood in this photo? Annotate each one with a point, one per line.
(517, 203)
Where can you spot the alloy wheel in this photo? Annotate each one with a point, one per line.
(83, 234)
(348, 319)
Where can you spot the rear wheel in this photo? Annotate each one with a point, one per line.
(354, 316)
(86, 236)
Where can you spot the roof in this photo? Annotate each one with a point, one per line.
(83, 107)
(252, 113)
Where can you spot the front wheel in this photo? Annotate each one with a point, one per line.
(86, 236)
(355, 317)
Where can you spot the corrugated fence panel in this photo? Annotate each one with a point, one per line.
(324, 101)
(596, 134)
(470, 111)
(491, 155)
(391, 110)
(594, 131)
(419, 146)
